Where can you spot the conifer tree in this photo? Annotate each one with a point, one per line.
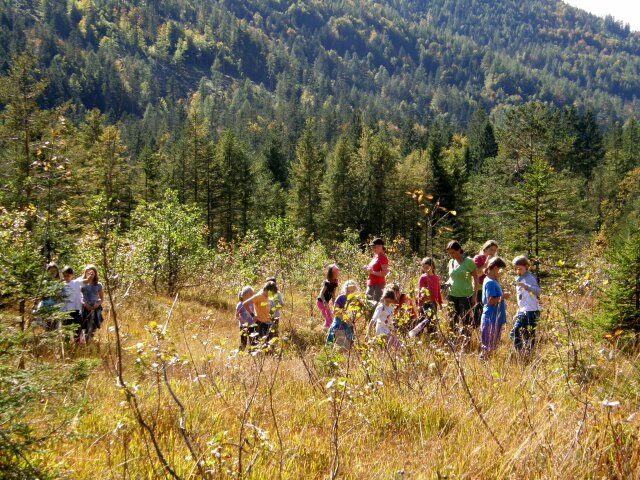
(306, 178)
(341, 193)
(482, 141)
(21, 126)
(233, 185)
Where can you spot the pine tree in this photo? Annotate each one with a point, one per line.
(21, 126)
(306, 179)
(341, 193)
(232, 188)
(622, 300)
(482, 140)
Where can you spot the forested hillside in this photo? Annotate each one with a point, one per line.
(389, 59)
(271, 102)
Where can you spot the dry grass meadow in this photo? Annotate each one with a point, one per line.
(569, 411)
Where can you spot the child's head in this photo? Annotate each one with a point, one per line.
(397, 292)
(388, 296)
(427, 264)
(332, 272)
(272, 279)
(270, 287)
(67, 273)
(521, 264)
(245, 293)
(494, 268)
(90, 274)
(349, 287)
(52, 269)
(490, 248)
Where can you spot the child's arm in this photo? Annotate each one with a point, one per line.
(494, 300)
(530, 284)
(251, 300)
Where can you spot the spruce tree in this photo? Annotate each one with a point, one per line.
(306, 178)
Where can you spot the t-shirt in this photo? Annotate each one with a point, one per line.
(262, 306)
(72, 296)
(244, 315)
(90, 292)
(430, 284)
(495, 314)
(276, 305)
(461, 278)
(329, 288)
(480, 260)
(384, 319)
(341, 301)
(528, 297)
(404, 304)
(376, 264)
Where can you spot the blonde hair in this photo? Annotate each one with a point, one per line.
(521, 260)
(488, 244)
(348, 284)
(246, 289)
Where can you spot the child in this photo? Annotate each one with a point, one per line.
(405, 313)
(383, 318)
(92, 298)
(277, 303)
(342, 317)
(525, 320)
(52, 296)
(73, 296)
(487, 252)
(245, 315)
(429, 296)
(494, 313)
(262, 305)
(328, 293)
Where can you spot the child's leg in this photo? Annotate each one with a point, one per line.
(331, 332)
(392, 341)
(490, 336)
(530, 330)
(244, 334)
(517, 330)
(326, 314)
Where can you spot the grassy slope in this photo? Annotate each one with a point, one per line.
(412, 415)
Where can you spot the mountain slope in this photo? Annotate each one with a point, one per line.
(387, 58)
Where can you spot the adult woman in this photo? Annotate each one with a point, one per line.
(487, 252)
(378, 269)
(463, 283)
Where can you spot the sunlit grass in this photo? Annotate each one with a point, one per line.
(408, 413)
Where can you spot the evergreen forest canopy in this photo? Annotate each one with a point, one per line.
(404, 119)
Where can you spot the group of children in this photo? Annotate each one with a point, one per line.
(80, 299)
(395, 310)
(258, 314)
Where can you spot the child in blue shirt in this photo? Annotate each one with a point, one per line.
(494, 312)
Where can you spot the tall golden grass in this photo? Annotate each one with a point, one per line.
(570, 410)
